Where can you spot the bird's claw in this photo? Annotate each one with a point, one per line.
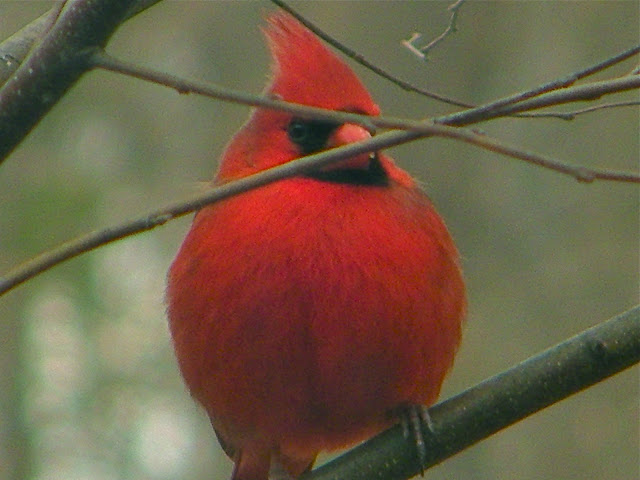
(412, 418)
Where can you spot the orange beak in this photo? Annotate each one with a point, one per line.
(344, 135)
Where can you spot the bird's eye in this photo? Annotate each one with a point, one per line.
(310, 136)
(298, 131)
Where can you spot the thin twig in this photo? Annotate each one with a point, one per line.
(574, 113)
(501, 107)
(359, 58)
(563, 82)
(506, 105)
(105, 61)
(101, 59)
(93, 240)
(584, 92)
(580, 173)
(423, 52)
(96, 239)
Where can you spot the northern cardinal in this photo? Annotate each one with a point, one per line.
(306, 313)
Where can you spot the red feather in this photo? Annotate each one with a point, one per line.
(305, 311)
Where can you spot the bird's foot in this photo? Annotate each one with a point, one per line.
(412, 419)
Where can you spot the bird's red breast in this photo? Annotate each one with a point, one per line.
(305, 311)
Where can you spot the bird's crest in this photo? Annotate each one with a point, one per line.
(305, 71)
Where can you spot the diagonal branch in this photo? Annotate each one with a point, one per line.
(93, 240)
(15, 49)
(357, 57)
(585, 92)
(496, 403)
(56, 63)
(560, 88)
(424, 128)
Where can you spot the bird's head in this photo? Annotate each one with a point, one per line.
(304, 71)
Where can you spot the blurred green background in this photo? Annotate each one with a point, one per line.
(88, 384)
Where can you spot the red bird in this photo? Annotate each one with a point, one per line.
(307, 312)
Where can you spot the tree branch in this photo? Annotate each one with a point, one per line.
(414, 130)
(56, 63)
(561, 87)
(423, 128)
(422, 52)
(357, 57)
(588, 91)
(496, 403)
(153, 219)
(93, 240)
(15, 49)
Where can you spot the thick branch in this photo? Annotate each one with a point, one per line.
(56, 63)
(498, 402)
(15, 49)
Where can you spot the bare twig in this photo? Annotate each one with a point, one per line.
(587, 91)
(496, 403)
(105, 61)
(566, 81)
(506, 105)
(423, 52)
(574, 113)
(580, 173)
(501, 107)
(359, 58)
(100, 59)
(96, 239)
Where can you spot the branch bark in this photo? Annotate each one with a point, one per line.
(498, 402)
(458, 422)
(56, 63)
(15, 49)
